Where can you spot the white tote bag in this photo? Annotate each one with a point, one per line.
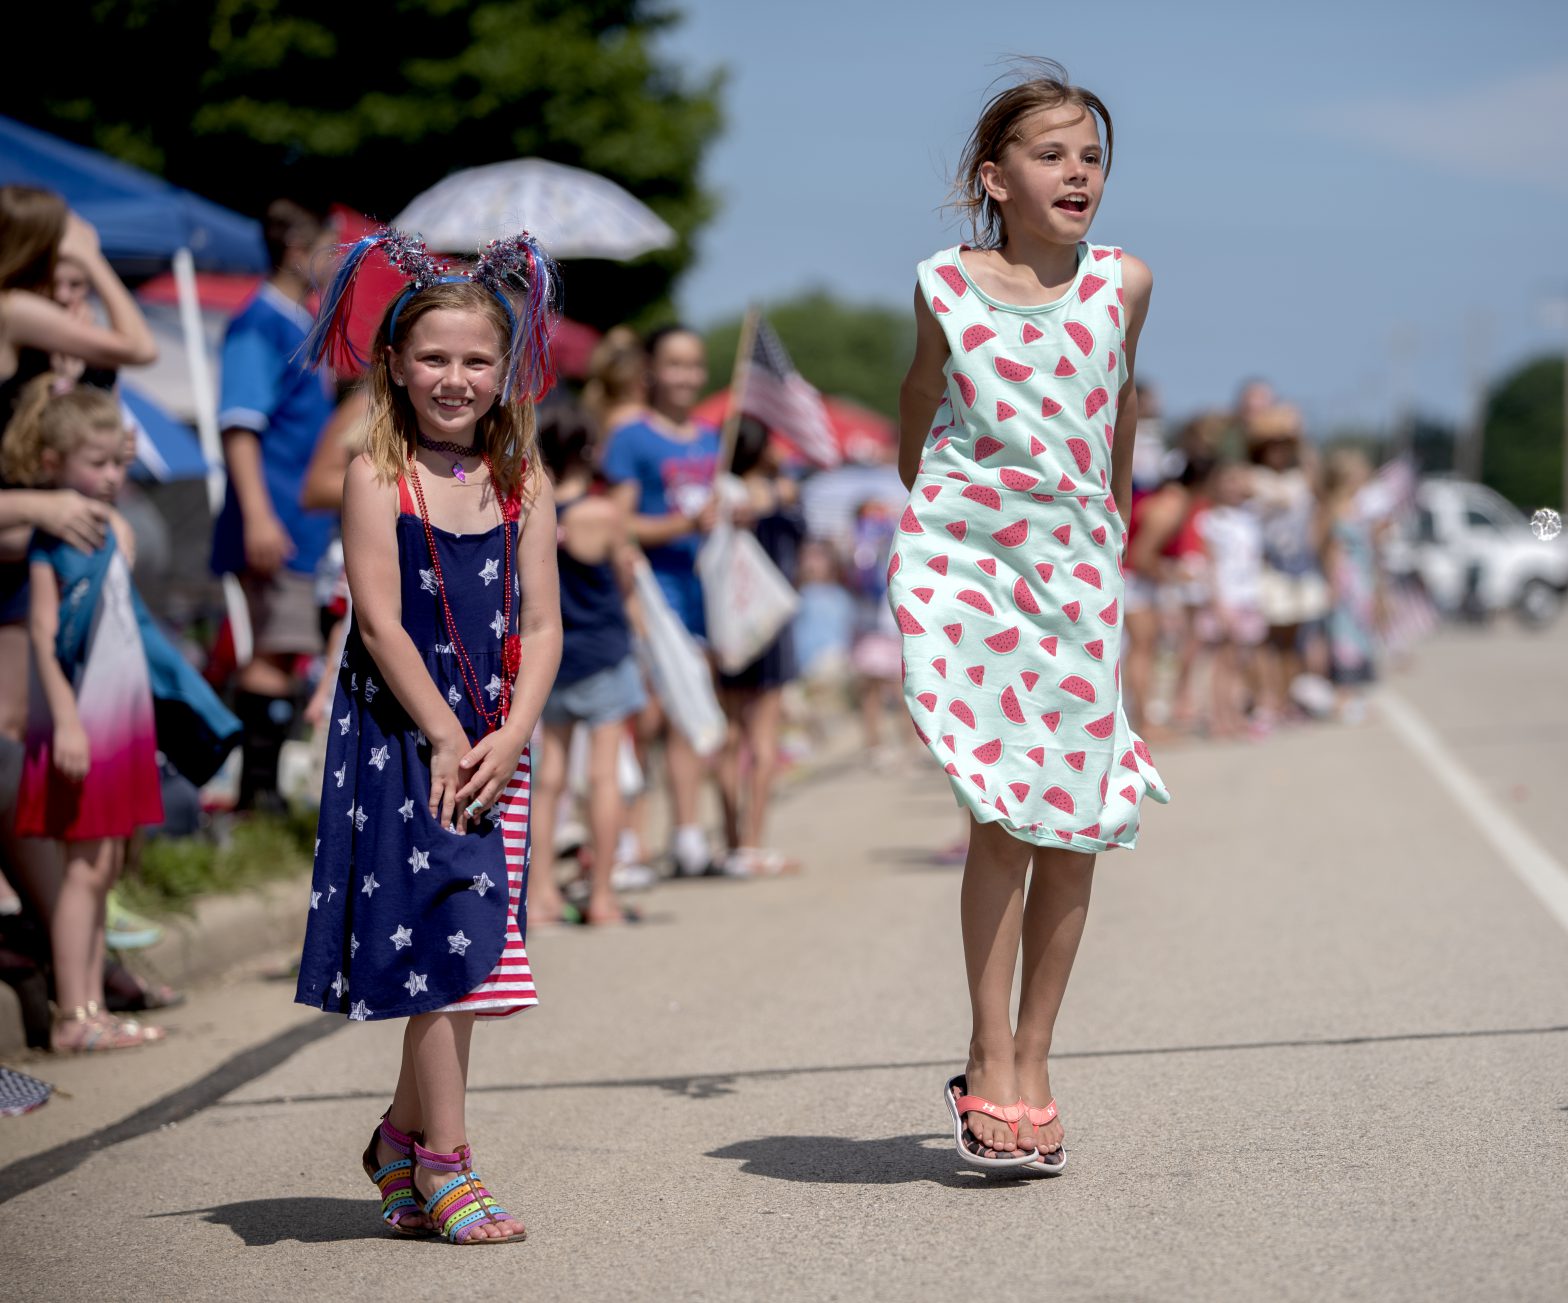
(746, 598)
(677, 667)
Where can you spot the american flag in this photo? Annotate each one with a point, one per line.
(782, 399)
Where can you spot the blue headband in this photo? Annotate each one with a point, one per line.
(403, 298)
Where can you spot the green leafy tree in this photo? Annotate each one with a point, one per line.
(243, 100)
(854, 351)
(1523, 455)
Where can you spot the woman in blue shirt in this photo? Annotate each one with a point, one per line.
(662, 466)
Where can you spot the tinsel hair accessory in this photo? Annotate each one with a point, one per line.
(524, 278)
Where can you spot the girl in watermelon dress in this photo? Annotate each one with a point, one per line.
(416, 906)
(1017, 420)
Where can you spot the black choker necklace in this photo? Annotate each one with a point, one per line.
(453, 450)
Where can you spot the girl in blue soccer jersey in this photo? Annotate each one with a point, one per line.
(417, 905)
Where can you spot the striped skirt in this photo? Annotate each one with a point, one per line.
(510, 987)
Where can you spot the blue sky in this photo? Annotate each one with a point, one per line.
(1362, 202)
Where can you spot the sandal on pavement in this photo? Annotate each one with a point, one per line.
(1045, 1164)
(88, 1030)
(759, 862)
(969, 1147)
(395, 1180)
(463, 1202)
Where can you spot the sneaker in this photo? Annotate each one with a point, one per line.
(684, 869)
(632, 877)
(691, 854)
(124, 930)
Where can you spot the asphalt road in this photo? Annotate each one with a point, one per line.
(1316, 1047)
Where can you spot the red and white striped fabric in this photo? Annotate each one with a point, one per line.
(510, 987)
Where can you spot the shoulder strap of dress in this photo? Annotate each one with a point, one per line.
(941, 281)
(405, 499)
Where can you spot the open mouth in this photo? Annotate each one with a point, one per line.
(451, 404)
(1073, 204)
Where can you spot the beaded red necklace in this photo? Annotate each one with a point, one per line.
(511, 645)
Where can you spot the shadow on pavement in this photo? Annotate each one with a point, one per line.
(907, 858)
(265, 1222)
(41, 1168)
(833, 1160)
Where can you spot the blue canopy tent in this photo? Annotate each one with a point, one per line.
(144, 224)
(166, 449)
(142, 220)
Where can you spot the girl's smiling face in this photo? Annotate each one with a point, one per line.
(1049, 180)
(677, 372)
(450, 365)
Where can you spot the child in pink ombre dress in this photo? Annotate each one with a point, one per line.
(90, 776)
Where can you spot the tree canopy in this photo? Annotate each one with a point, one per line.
(1523, 455)
(247, 100)
(854, 351)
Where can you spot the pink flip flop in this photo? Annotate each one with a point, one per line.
(959, 1102)
(1042, 1164)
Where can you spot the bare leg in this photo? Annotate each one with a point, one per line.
(114, 860)
(440, 1043)
(1280, 667)
(406, 1115)
(545, 902)
(644, 734)
(606, 817)
(14, 652)
(871, 712)
(734, 701)
(15, 658)
(1222, 678)
(1054, 917)
(1188, 651)
(686, 768)
(762, 732)
(991, 904)
(76, 922)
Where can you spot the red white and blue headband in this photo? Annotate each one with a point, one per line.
(524, 279)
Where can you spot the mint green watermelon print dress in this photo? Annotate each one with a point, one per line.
(1006, 575)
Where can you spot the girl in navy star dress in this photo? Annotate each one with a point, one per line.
(417, 904)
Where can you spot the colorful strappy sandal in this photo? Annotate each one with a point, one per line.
(970, 1149)
(463, 1202)
(399, 1203)
(1045, 1164)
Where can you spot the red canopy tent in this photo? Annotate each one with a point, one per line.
(861, 434)
(377, 286)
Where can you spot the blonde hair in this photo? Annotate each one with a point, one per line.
(617, 373)
(57, 422)
(507, 432)
(999, 127)
(1345, 471)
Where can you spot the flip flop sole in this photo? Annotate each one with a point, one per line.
(960, 1131)
(1039, 1167)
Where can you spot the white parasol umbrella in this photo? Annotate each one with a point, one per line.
(573, 213)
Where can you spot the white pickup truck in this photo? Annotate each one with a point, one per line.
(1477, 554)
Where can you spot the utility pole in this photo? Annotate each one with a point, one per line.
(1555, 310)
(1469, 453)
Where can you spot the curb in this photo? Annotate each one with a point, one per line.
(228, 931)
(225, 932)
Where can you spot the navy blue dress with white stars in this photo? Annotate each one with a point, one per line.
(406, 916)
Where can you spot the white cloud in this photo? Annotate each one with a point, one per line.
(1515, 129)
